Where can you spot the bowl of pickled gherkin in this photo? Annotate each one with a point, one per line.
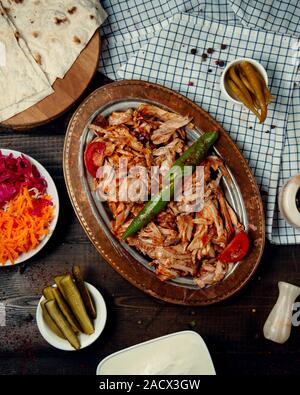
(71, 314)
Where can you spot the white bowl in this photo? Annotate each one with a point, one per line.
(52, 191)
(85, 340)
(183, 353)
(223, 86)
(287, 201)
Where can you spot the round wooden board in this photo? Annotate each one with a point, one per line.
(66, 91)
(91, 220)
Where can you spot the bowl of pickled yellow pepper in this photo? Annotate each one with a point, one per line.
(244, 81)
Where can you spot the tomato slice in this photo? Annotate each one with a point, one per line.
(237, 249)
(93, 157)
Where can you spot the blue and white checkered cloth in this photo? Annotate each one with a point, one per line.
(152, 40)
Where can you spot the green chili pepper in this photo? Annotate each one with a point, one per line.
(191, 157)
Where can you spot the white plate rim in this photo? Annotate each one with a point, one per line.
(85, 340)
(54, 194)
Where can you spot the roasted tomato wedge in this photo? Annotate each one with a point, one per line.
(237, 249)
(93, 157)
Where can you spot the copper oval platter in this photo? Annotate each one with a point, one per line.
(240, 188)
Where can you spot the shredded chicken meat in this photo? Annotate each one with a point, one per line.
(178, 243)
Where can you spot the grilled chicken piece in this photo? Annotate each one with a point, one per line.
(137, 207)
(166, 220)
(119, 118)
(213, 162)
(217, 220)
(165, 156)
(168, 128)
(171, 236)
(211, 274)
(233, 217)
(158, 236)
(148, 110)
(175, 146)
(185, 226)
(148, 157)
(99, 124)
(98, 130)
(174, 256)
(151, 234)
(225, 214)
(220, 272)
(173, 208)
(122, 214)
(164, 273)
(204, 279)
(199, 239)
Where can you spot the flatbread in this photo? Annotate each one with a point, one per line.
(55, 31)
(22, 82)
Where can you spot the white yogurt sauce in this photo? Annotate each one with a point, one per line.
(182, 353)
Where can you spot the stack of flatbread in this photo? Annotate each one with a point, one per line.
(39, 42)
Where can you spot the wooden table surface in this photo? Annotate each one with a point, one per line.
(232, 329)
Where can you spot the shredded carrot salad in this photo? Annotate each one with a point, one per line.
(24, 221)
